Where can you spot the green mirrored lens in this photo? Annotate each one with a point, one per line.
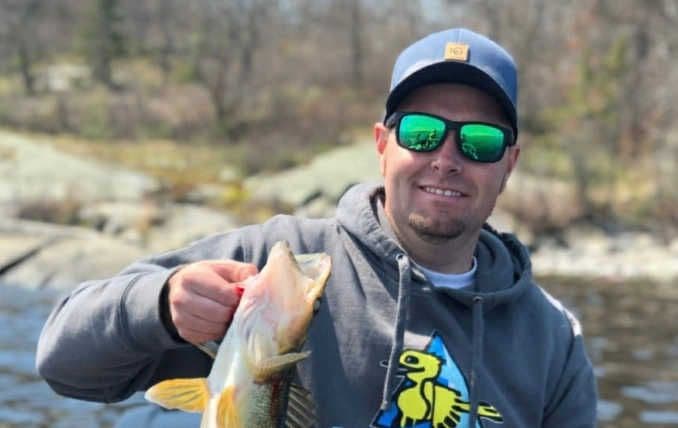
(421, 133)
(483, 143)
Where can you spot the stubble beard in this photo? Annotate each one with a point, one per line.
(436, 231)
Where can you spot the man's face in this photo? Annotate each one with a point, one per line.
(439, 196)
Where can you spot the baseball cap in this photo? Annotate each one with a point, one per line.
(456, 55)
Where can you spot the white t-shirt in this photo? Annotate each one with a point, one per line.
(452, 281)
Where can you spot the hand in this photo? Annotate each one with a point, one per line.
(203, 296)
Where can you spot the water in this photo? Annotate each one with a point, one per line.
(25, 399)
(629, 326)
(632, 338)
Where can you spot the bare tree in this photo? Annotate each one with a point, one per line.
(357, 46)
(19, 31)
(228, 41)
(104, 39)
(166, 10)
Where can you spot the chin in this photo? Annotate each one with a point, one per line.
(436, 232)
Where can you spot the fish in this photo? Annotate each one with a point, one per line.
(250, 383)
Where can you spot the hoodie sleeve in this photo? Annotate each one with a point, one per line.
(106, 340)
(574, 400)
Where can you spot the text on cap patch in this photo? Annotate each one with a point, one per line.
(456, 51)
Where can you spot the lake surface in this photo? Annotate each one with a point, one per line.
(632, 337)
(630, 328)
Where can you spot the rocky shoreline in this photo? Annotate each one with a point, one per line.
(126, 224)
(37, 255)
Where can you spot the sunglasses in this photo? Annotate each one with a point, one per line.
(477, 141)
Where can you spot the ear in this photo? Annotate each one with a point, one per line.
(381, 133)
(513, 155)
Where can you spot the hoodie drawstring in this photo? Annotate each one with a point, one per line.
(476, 357)
(404, 277)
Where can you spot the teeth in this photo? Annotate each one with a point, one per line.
(441, 192)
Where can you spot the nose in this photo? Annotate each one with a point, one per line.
(447, 159)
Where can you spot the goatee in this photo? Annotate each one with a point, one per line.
(435, 231)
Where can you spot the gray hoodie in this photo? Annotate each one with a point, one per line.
(387, 348)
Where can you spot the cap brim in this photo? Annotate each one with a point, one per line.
(452, 72)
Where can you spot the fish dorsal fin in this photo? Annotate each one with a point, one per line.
(227, 413)
(265, 369)
(300, 408)
(189, 395)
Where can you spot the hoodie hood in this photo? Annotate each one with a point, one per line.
(504, 269)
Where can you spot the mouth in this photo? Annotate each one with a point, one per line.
(442, 191)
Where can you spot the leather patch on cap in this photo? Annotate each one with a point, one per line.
(456, 51)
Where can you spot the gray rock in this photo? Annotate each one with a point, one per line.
(157, 227)
(117, 217)
(70, 261)
(32, 170)
(185, 223)
(39, 255)
(62, 77)
(63, 257)
(593, 254)
(327, 177)
(538, 201)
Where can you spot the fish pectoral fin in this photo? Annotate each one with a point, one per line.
(300, 408)
(265, 369)
(189, 395)
(210, 348)
(227, 413)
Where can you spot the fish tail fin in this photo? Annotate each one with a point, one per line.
(189, 395)
(227, 413)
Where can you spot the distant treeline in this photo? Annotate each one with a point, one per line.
(599, 79)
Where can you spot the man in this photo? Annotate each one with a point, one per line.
(430, 317)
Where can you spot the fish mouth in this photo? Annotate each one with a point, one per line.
(274, 321)
(315, 266)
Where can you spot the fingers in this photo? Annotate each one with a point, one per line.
(209, 285)
(231, 270)
(189, 307)
(203, 297)
(195, 329)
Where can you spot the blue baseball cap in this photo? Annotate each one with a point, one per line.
(457, 55)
